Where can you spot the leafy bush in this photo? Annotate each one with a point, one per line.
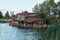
(52, 32)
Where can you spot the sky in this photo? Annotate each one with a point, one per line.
(19, 5)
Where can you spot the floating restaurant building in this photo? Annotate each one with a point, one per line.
(28, 20)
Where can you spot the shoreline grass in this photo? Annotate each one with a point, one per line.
(4, 20)
(52, 32)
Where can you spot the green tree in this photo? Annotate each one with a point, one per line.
(35, 9)
(50, 9)
(1, 15)
(7, 15)
(58, 11)
(47, 10)
(41, 13)
(58, 7)
(39, 10)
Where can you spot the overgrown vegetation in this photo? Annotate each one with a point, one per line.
(7, 16)
(4, 18)
(1, 15)
(49, 10)
(52, 33)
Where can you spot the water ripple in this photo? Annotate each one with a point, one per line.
(13, 33)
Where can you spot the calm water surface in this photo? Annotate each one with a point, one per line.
(13, 33)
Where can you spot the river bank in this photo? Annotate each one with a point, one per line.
(4, 20)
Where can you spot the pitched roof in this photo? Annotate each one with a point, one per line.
(34, 19)
(26, 13)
